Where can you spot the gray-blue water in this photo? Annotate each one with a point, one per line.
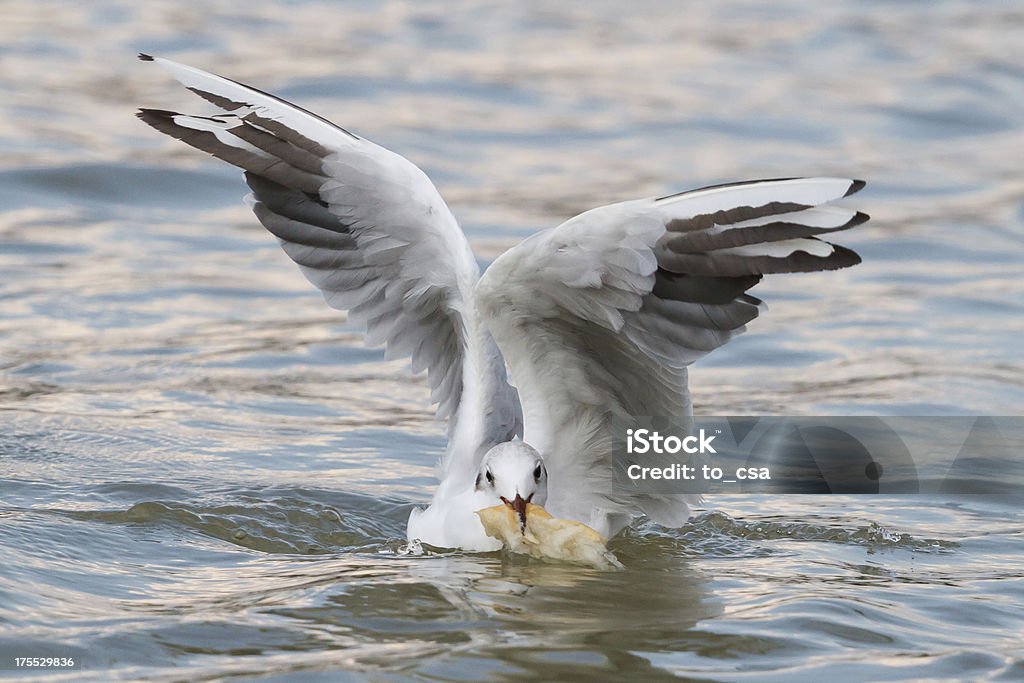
(205, 475)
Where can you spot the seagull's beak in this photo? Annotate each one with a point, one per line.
(519, 507)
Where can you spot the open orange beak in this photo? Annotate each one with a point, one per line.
(519, 507)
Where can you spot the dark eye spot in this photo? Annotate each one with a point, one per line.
(537, 471)
(490, 477)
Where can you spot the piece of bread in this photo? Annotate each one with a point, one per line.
(548, 538)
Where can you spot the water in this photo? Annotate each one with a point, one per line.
(205, 475)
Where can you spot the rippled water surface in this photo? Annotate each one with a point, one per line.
(204, 474)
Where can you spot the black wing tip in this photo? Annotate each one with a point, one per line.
(858, 218)
(153, 114)
(802, 261)
(146, 58)
(855, 187)
(842, 257)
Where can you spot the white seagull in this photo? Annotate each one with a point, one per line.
(597, 317)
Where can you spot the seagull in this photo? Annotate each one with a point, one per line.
(530, 362)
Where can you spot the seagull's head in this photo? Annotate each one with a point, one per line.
(515, 474)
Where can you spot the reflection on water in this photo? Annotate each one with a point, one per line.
(204, 473)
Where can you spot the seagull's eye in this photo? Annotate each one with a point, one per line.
(537, 471)
(490, 477)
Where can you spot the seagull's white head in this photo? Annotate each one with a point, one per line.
(515, 474)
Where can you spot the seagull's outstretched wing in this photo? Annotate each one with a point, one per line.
(366, 226)
(601, 315)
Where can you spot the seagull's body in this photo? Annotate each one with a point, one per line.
(595, 318)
